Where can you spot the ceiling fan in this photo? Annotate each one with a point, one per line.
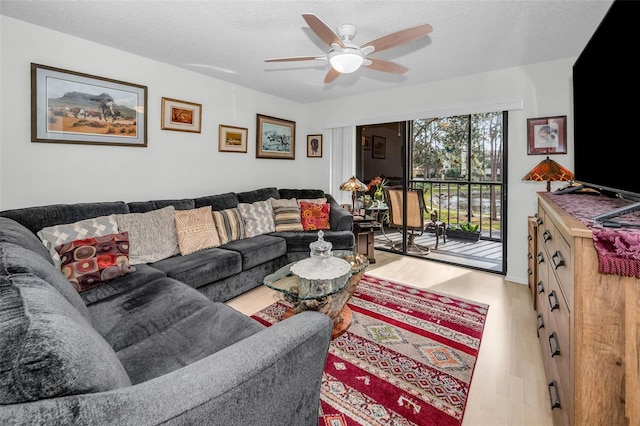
(346, 57)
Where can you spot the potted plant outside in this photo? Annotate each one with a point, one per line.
(464, 231)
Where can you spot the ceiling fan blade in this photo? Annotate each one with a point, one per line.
(295, 58)
(331, 75)
(321, 29)
(386, 66)
(399, 38)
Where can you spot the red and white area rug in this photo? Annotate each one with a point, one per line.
(407, 358)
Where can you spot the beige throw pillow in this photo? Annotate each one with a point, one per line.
(196, 230)
(286, 215)
(152, 235)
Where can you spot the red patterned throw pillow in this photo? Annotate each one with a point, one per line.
(90, 262)
(314, 216)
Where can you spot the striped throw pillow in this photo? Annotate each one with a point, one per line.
(228, 224)
(286, 215)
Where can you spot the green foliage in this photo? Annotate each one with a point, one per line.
(466, 227)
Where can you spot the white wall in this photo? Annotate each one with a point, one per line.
(543, 89)
(174, 165)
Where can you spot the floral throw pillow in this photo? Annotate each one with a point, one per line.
(314, 216)
(93, 261)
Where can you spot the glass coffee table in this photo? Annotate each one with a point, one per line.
(330, 299)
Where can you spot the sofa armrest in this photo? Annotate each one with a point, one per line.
(271, 377)
(339, 218)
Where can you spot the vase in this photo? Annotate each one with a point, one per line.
(367, 201)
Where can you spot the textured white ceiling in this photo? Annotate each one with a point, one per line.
(229, 40)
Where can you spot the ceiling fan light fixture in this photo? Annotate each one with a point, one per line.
(346, 62)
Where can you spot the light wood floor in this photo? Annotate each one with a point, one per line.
(508, 386)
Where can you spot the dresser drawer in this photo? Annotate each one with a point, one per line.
(562, 262)
(559, 398)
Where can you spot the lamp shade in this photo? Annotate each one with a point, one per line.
(548, 170)
(353, 185)
(346, 61)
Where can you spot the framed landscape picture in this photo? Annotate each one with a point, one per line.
(232, 139)
(547, 135)
(314, 146)
(275, 138)
(379, 147)
(76, 108)
(181, 116)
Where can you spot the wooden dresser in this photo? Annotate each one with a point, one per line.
(588, 326)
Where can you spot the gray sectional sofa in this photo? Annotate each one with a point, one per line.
(157, 346)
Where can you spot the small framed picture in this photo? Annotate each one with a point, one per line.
(232, 139)
(275, 138)
(181, 116)
(366, 143)
(379, 148)
(547, 135)
(314, 146)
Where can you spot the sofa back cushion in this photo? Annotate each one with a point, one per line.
(18, 260)
(261, 194)
(36, 218)
(15, 233)
(302, 193)
(48, 350)
(147, 206)
(224, 201)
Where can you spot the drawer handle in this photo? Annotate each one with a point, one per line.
(540, 258)
(529, 271)
(554, 348)
(555, 396)
(546, 235)
(560, 260)
(553, 305)
(529, 237)
(540, 324)
(530, 255)
(539, 221)
(540, 287)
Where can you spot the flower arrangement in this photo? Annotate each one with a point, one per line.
(379, 184)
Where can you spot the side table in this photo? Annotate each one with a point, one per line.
(364, 230)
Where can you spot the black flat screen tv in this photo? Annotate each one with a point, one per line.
(606, 106)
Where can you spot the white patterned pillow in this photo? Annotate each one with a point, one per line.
(286, 215)
(152, 235)
(53, 236)
(196, 230)
(257, 218)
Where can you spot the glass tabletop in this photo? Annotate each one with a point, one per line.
(286, 282)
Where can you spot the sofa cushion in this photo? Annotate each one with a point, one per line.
(15, 233)
(144, 273)
(147, 206)
(315, 216)
(92, 261)
(258, 250)
(152, 235)
(53, 236)
(261, 194)
(197, 335)
(196, 230)
(143, 311)
(201, 267)
(15, 259)
(286, 214)
(48, 349)
(257, 218)
(36, 218)
(301, 193)
(229, 224)
(227, 200)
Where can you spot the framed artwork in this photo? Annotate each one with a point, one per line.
(366, 143)
(547, 135)
(76, 108)
(275, 138)
(379, 147)
(181, 116)
(314, 146)
(232, 139)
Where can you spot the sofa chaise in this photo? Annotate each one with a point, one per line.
(158, 345)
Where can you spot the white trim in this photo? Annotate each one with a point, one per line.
(436, 112)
